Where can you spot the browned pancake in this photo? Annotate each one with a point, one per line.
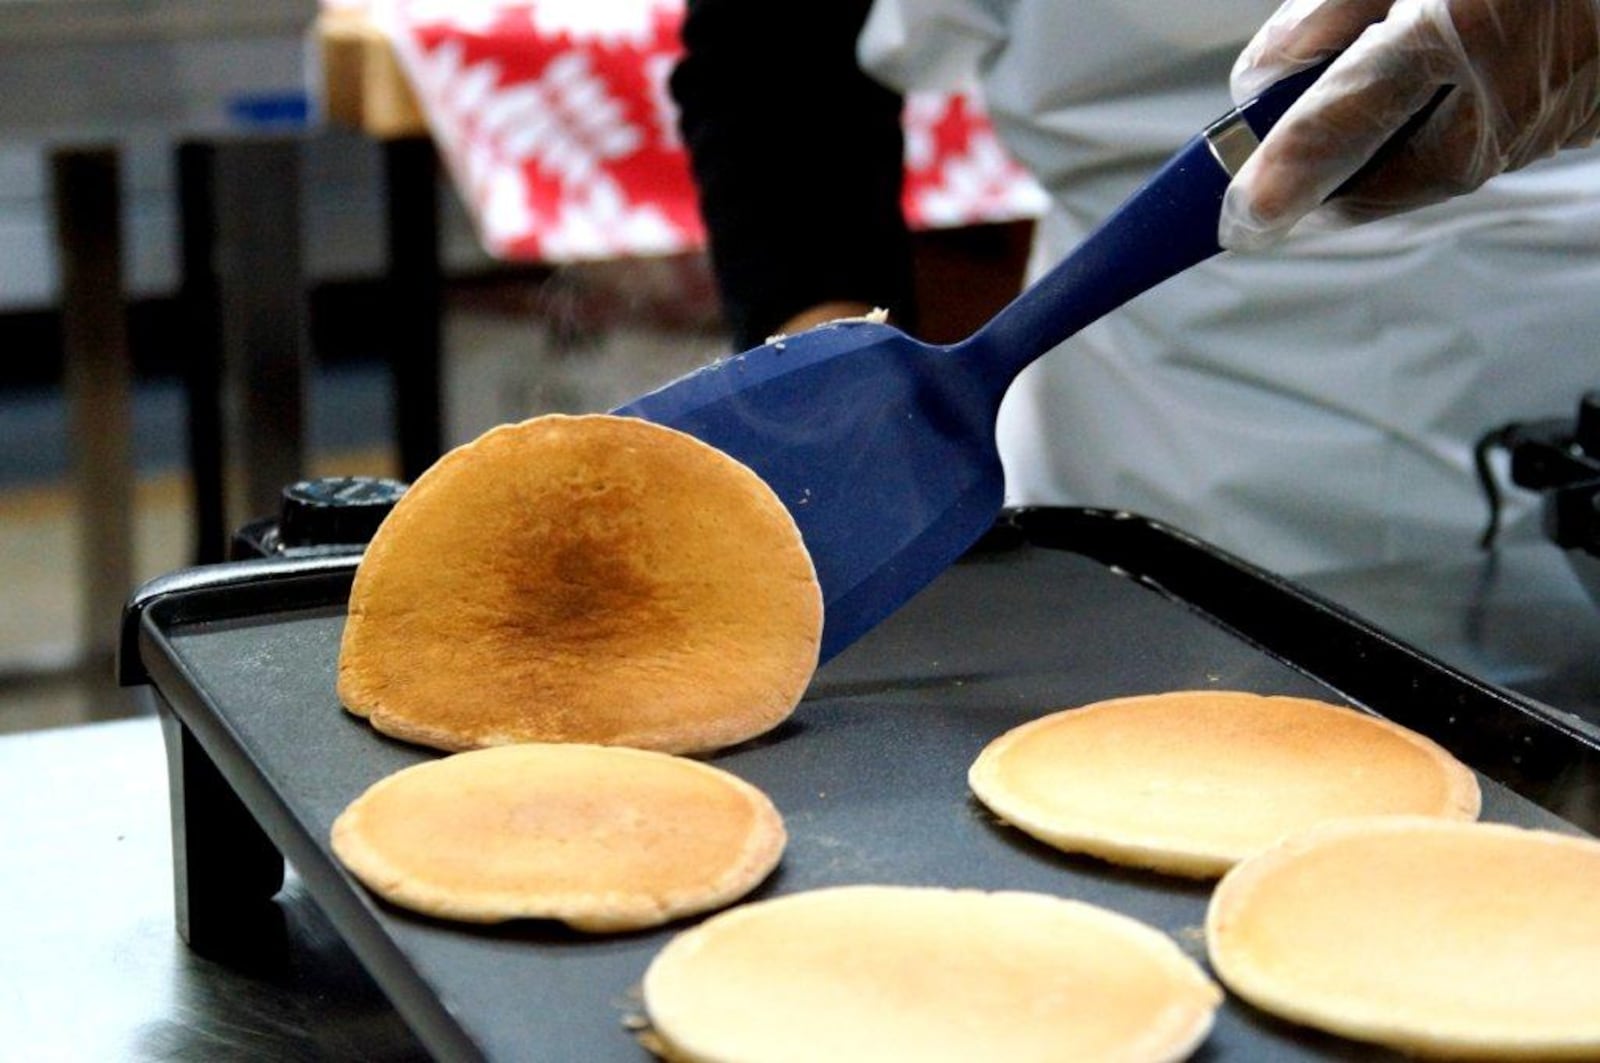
(600, 838)
(582, 579)
(875, 973)
(1459, 940)
(1191, 782)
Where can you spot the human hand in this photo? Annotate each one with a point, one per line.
(1524, 79)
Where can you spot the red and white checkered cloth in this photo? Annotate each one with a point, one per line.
(556, 125)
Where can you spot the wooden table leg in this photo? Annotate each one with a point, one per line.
(415, 301)
(201, 356)
(263, 312)
(98, 378)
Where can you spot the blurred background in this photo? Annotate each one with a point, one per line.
(230, 257)
(102, 100)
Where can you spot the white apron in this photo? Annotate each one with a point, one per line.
(1310, 407)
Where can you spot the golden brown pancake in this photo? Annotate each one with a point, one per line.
(1461, 940)
(1191, 782)
(582, 579)
(876, 973)
(599, 837)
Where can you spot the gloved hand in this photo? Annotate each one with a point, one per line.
(1526, 83)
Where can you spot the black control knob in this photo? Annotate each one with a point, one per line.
(1586, 436)
(335, 510)
(334, 514)
(1571, 516)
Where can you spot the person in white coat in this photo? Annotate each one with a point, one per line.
(1311, 404)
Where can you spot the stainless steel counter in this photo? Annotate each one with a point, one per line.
(94, 970)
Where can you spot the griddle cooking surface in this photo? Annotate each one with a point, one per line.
(869, 775)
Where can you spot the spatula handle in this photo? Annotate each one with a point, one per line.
(1165, 227)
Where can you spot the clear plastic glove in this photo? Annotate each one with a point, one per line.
(1524, 78)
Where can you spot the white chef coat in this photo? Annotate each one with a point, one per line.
(1309, 407)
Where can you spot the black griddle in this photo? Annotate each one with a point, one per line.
(1058, 607)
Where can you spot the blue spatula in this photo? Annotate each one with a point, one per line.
(883, 447)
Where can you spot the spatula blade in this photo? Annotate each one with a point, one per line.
(882, 448)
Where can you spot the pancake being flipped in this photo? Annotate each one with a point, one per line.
(1441, 939)
(582, 579)
(599, 837)
(1191, 782)
(875, 973)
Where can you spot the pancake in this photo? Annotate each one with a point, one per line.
(582, 579)
(1441, 939)
(598, 837)
(1191, 782)
(884, 972)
